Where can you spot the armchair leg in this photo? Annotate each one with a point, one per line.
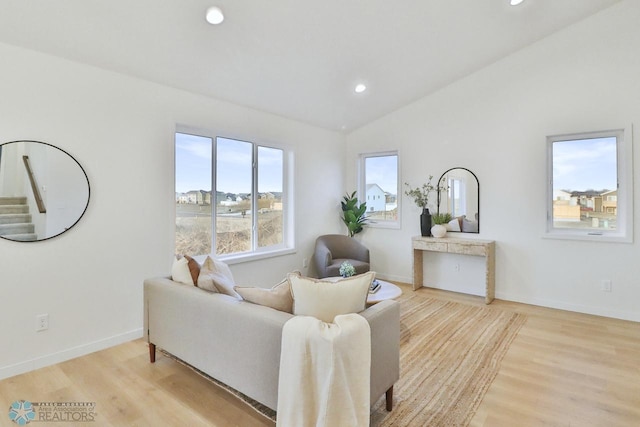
(152, 355)
(389, 397)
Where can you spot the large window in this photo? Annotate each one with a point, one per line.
(379, 188)
(246, 213)
(590, 186)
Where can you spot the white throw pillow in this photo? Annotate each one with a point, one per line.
(180, 271)
(453, 225)
(215, 276)
(325, 300)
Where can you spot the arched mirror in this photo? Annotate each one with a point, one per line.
(43, 191)
(459, 195)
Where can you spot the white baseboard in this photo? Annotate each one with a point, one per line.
(578, 308)
(72, 353)
(394, 278)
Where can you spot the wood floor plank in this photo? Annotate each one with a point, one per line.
(562, 369)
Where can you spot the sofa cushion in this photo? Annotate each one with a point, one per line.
(278, 297)
(327, 299)
(215, 276)
(180, 271)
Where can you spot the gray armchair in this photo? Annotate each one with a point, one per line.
(333, 249)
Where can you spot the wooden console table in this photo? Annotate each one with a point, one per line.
(454, 245)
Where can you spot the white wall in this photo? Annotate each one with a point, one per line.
(494, 122)
(120, 129)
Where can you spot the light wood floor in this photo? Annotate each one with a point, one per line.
(563, 369)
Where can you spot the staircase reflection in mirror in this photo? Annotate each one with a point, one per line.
(44, 191)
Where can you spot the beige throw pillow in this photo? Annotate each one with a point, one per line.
(180, 271)
(215, 276)
(325, 300)
(278, 297)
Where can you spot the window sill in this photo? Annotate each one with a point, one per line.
(248, 257)
(384, 224)
(585, 236)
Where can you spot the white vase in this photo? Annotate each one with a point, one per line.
(439, 230)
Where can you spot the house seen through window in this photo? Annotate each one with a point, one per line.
(246, 210)
(587, 175)
(379, 182)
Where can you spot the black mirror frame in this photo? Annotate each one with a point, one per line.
(88, 190)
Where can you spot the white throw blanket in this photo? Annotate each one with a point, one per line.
(325, 372)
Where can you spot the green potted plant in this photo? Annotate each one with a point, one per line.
(353, 214)
(440, 220)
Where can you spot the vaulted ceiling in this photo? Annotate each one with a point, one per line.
(295, 58)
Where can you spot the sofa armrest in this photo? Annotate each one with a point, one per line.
(384, 321)
(148, 291)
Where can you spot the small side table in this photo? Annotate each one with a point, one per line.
(387, 291)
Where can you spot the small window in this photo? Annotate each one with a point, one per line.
(379, 182)
(590, 186)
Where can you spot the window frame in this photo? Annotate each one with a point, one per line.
(362, 187)
(287, 246)
(624, 164)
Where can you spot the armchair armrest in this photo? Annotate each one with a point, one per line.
(321, 259)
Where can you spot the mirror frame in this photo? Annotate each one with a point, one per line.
(441, 187)
(84, 173)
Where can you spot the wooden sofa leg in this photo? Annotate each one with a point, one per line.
(152, 354)
(389, 396)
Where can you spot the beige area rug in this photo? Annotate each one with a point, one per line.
(449, 355)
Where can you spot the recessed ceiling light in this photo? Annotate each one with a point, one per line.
(214, 15)
(360, 88)
(516, 2)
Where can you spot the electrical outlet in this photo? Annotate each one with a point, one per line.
(605, 285)
(456, 267)
(42, 322)
(305, 262)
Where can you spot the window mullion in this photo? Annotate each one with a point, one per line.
(254, 199)
(214, 192)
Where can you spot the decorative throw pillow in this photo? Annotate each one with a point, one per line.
(453, 225)
(215, 276)
(180, 271)
(469, 226)
(278, 297)
(194, 268)
(325, 300)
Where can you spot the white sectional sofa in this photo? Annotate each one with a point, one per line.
(238, 343)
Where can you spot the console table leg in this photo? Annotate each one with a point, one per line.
(417, 269)
(490, 293)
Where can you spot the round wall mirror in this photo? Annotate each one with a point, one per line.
(43, 191)
(460, 196)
